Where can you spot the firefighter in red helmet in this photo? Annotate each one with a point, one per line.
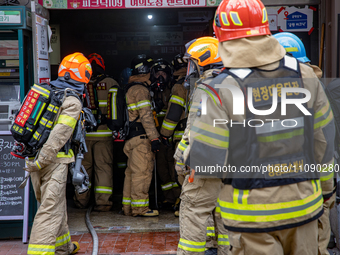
(98, 160)
(274, 211)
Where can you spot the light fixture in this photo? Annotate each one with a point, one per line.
(149, 16)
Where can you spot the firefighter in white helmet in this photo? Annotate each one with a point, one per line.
(294, 46)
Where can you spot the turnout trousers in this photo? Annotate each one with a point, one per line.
(138, 175)
(166, 173)
(281, 242)
(50, 233)
(98, 162)
(198, 201)
(324, 226)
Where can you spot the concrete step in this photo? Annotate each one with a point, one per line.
(113, 222)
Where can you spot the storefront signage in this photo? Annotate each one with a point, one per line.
(163, 3)
(166, 38)
(43, 66)
(10, 17)
(195, 16)
(290, 19)
(55, 4)
(213, 2)
(113, 4)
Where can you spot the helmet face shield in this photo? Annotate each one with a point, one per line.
(192, 70)
(192, 73)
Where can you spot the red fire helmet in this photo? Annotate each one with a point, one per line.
(240, 18)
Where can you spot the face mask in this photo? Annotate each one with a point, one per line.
(159, 84)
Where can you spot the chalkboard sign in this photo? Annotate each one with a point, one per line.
(13, 201)
(11, 175)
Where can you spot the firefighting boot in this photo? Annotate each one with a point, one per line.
(76, 247)
(211, 251)
(151, 213)
(177, 204)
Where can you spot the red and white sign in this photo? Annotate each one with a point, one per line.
(27, 108)
(113, 4)
(163, 3)
(95, 4)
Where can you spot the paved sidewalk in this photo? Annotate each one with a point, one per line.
(111, 243)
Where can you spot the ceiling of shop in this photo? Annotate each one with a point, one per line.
(119, 35)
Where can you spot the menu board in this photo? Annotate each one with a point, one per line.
(11, 175)
(13, 200)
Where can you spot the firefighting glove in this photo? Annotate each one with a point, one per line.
(155, 145)
(181, 169)
(33, 166)
(166, 141)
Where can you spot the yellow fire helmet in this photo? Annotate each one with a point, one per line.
(202, 54)
(204, 50)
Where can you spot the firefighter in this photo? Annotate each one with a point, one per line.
(294, 45)
(119, 157)
(124, 76)
(273, 211)
(198, 199)
(98, 162)
(142, 141)
(50, 233)
(175, 114)
(161, 77)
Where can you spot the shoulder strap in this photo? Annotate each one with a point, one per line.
(62, 94)
(180, 81)
(129, 85)
(99, 78)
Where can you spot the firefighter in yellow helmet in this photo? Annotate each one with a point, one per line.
(50, 233)
(274, 209)
(98, 160)
(142, 141)
(198, 198)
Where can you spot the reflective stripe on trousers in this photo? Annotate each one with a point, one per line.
(64, 239)
(103, 189)
(126, 201)
(223, 240)
(210, 231)
(169, 186)
(140, 203)
(191, 245)
(41, 249)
